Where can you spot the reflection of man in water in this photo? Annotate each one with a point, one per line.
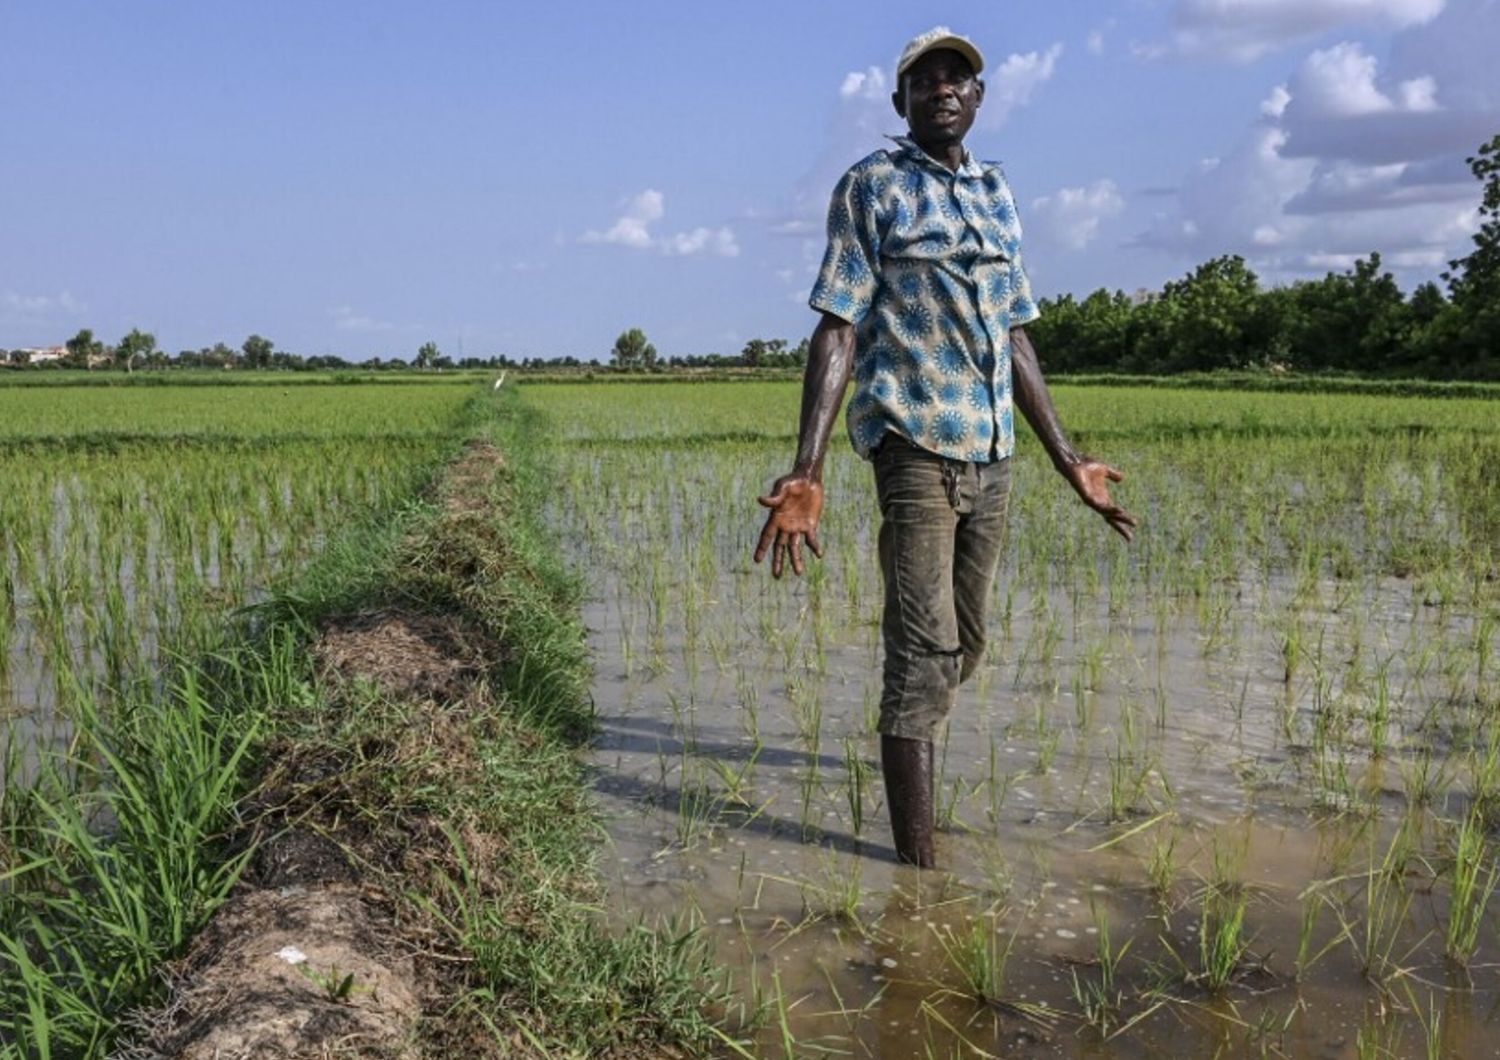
(923, 297)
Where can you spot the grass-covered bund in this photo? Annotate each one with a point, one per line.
(454, 804)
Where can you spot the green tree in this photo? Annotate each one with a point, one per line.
(138, 345)
(427, 355)
(257, 351)
(1356, 320)
(1474, 280)
(1208, 319)
(760, 352)
(82, 349)
(633, 350)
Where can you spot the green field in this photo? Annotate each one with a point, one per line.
(133, 518)
(1241, 776)
(1215, 791)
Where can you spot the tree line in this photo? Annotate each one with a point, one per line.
(1216, 317)
(138, 350)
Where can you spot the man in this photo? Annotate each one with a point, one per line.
(923, 300)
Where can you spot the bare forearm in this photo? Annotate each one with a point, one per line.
(1035, 401)
(830, 361)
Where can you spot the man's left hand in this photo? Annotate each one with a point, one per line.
(1091, 478)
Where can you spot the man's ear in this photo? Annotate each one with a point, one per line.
(898, 100)
(978, 91)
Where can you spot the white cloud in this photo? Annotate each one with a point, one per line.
(16, 304)
(1243, 30)
(1339, 82)
(1011, 84)
(1094, 43)
(1274, 105)
(718, 241)
(1339, 106)
(634, 229)
(1353, 154)
(868, 84)
(346, 318)
(1071, 216)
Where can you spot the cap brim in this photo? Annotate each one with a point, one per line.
(957, 44)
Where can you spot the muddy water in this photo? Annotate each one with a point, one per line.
(1116, 760)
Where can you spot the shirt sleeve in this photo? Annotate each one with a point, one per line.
(849, 276)
(1023, 308)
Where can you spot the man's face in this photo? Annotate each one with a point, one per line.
(939, 97)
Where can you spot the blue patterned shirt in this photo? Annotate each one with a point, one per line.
(926, 263)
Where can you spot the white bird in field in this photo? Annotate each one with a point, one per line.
(499, 381)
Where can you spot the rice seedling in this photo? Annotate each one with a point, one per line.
(1306, 605)
(980, 953)
(1099, 997)
(1474, 876)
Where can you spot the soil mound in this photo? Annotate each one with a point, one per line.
(298, 973)
(405, 655)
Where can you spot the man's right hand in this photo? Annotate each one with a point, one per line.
(796, 503)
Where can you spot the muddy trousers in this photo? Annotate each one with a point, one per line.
(941, 531)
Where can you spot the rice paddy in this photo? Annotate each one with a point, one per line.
(133, 519)
(1231, 790)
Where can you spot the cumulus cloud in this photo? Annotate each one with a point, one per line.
(1353, 154)
(634, 229)
(1071, 217)
(868, 84)
(1012, 83)
(718, 241)
(1244, 30)
(1340, 105)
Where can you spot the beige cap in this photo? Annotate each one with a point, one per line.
(938, 37)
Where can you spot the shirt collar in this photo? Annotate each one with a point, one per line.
(969, 167)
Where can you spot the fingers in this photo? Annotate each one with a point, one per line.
(1113, 474)
(767, 536)
(786, 546)
(1121, 521)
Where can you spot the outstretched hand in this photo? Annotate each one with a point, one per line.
(1091, 478)
(796, 503)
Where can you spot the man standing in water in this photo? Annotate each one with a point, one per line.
(923, 299)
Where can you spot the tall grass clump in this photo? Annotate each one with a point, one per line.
(115, 852)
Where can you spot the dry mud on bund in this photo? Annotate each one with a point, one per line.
(1230, 791)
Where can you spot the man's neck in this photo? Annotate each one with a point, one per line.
(949, 154)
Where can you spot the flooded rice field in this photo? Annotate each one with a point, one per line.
(133, 519)
(1231, 790)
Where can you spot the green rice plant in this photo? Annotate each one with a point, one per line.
(1161, 866)
(980, 954)
(1222, 944)
(857, 776)
(1100, 998)
(837, 895)
(1374, 933)
(1474, 876)
(1426, 778)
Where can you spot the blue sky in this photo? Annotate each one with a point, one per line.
(532, 179)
